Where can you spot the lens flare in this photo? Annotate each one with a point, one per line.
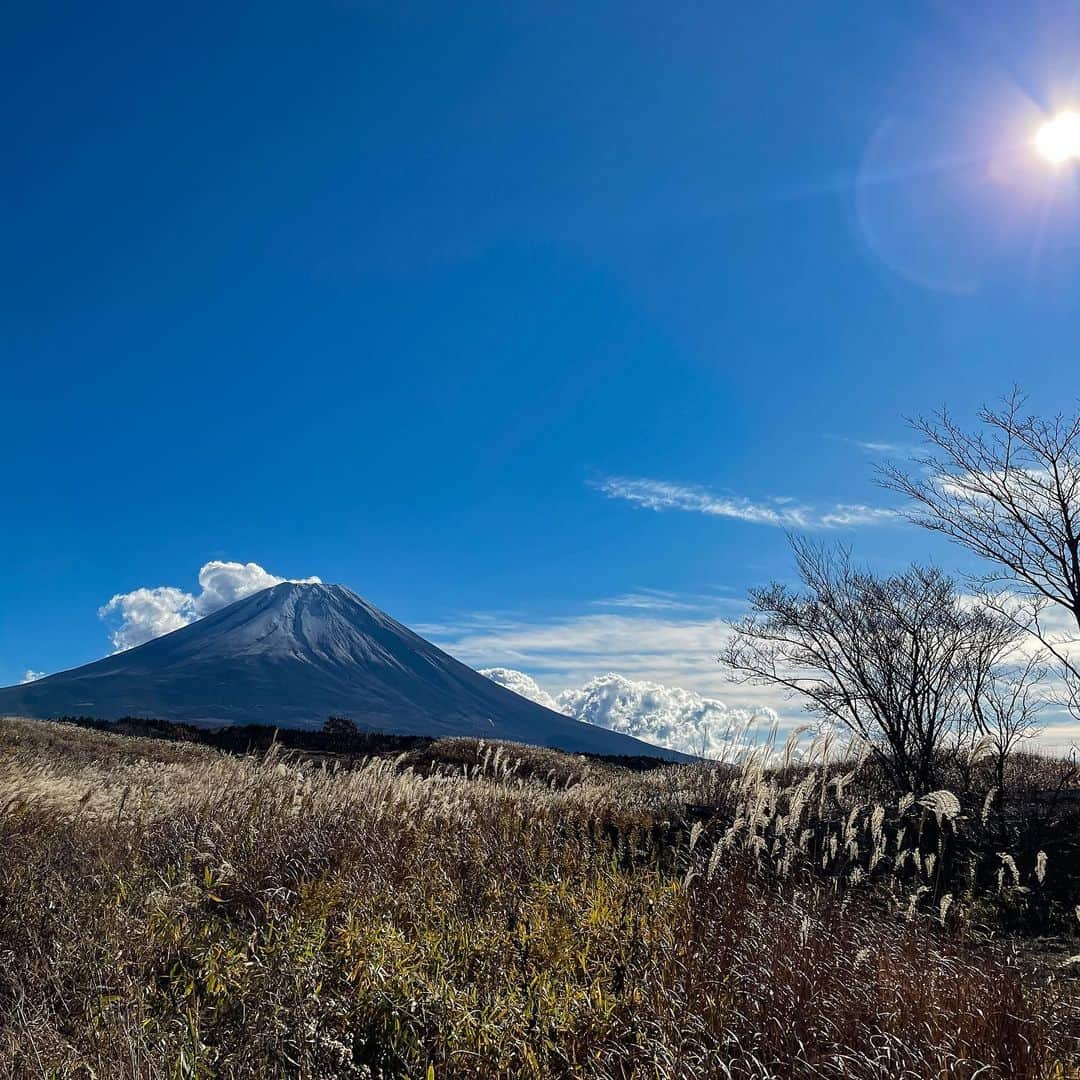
(1058, 140)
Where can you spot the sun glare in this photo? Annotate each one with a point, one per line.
(1058, 140)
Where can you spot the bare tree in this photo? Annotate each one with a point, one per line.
(1006, 709)
(1010, 493)
(897, 660)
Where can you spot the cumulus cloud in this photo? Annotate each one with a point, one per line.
(32, 676)
(222, 583)
(663, 715)
(147, 613)
(522, 684)
(781, 513)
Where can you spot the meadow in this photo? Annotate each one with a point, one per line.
(470, 910)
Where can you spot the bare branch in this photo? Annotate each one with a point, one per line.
(1010, 493)
(903, 662)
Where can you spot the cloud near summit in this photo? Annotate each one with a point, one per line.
(149, 612)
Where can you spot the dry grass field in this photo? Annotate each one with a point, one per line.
(471, 911)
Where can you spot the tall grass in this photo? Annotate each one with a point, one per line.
(490, 911)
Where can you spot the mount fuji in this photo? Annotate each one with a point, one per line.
(296, 653)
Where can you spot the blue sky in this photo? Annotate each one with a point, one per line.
(435, 300)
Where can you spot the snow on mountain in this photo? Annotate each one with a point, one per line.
(294, 654)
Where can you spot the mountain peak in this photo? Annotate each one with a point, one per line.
(296, 653)
(309, 586)
(308, 589)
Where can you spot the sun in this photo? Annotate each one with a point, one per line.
(1058, 140)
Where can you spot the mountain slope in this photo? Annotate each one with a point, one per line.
(291, 656)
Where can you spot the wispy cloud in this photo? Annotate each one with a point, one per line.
(670, 648)
(657, 600)
(850, 515)
(880, 447)
(779, 512)
(32, 676)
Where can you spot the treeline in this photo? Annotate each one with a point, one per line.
(339, 736)
(336, 736)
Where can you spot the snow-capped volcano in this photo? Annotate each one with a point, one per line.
(291, 656)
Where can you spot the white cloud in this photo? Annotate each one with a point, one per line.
(147, 613)
(871, 446)
(669, 649)
(656, 600)
(522, 684)
(32, 676)
(779, 512)
(848, 515)
(657, 648)
(570, 651)
(663, 715)
(222, 583)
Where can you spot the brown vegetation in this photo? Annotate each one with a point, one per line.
(498, 911)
